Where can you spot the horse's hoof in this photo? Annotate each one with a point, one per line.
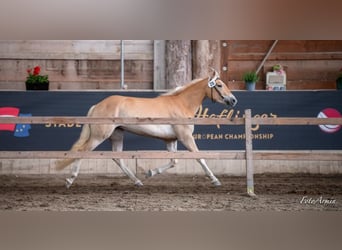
(68, 183)
(216, 183)
(138, 184)
(150, 173)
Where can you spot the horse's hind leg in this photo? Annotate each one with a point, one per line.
(90, 145)
(171, 147)
(117, 145)
(74, 173)
(98, 134)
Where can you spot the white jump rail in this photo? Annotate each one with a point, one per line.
(249, 155)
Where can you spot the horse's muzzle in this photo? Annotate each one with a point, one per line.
(230, 100)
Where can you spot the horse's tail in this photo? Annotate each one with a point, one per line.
(78, 146)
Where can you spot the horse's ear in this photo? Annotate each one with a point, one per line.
(214, 73)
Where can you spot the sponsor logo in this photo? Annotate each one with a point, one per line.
(19, 130)
(329, 113)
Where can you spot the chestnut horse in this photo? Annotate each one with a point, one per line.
(183, 102)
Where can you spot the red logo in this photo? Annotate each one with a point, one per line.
(20, 130)
(329, 113)
(8, 112)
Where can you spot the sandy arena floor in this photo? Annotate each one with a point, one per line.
(276, 192)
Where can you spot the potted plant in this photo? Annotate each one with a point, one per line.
(36, 81)
(250, 79)
(339, 81)
(278, 69)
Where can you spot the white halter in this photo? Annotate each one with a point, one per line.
(212, 82)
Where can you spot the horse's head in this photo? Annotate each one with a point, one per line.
(218, 91)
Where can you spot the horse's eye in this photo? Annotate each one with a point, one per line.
(219, 85)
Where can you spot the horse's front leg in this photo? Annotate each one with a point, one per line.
(185, 136)
(128, 172)
(171, 147)
(209, 173)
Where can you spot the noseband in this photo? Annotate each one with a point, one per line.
(212, 85)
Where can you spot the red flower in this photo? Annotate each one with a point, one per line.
(36, 70)
(35, 77)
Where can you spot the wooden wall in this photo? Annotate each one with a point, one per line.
(91, 65)
(77, 65)
(309, 64)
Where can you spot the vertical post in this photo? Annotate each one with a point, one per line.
(249, 153)
(122, 56)
(178, 66)
(200, 58)
(205, 54)
(159, 81)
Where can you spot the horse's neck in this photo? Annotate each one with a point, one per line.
(193, 96)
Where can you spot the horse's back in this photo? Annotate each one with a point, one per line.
(126, 106)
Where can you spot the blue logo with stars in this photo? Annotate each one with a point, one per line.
(22, 130)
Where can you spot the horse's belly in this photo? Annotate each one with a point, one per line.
(158, 131)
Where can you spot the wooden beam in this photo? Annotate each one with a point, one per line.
(237, 155)
(149, 120)
(75, 49)
(117, 120)
(287, 56)
(297, 121)
(294, 155)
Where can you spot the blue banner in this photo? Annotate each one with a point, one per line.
(208, 137)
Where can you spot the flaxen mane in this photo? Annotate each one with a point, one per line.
(179, 89)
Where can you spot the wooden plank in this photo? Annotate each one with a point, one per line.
(285, 49)
(287, 56)
(134, 70)
(238, 155)
(143, 55)
(248, 47)
(81, 71)
(75, 49)
(92, 85)
(297, 121)
(309, 46)
(290, 85)
(309, 155)
(117, 120)
(96, 85)
(151, 120)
